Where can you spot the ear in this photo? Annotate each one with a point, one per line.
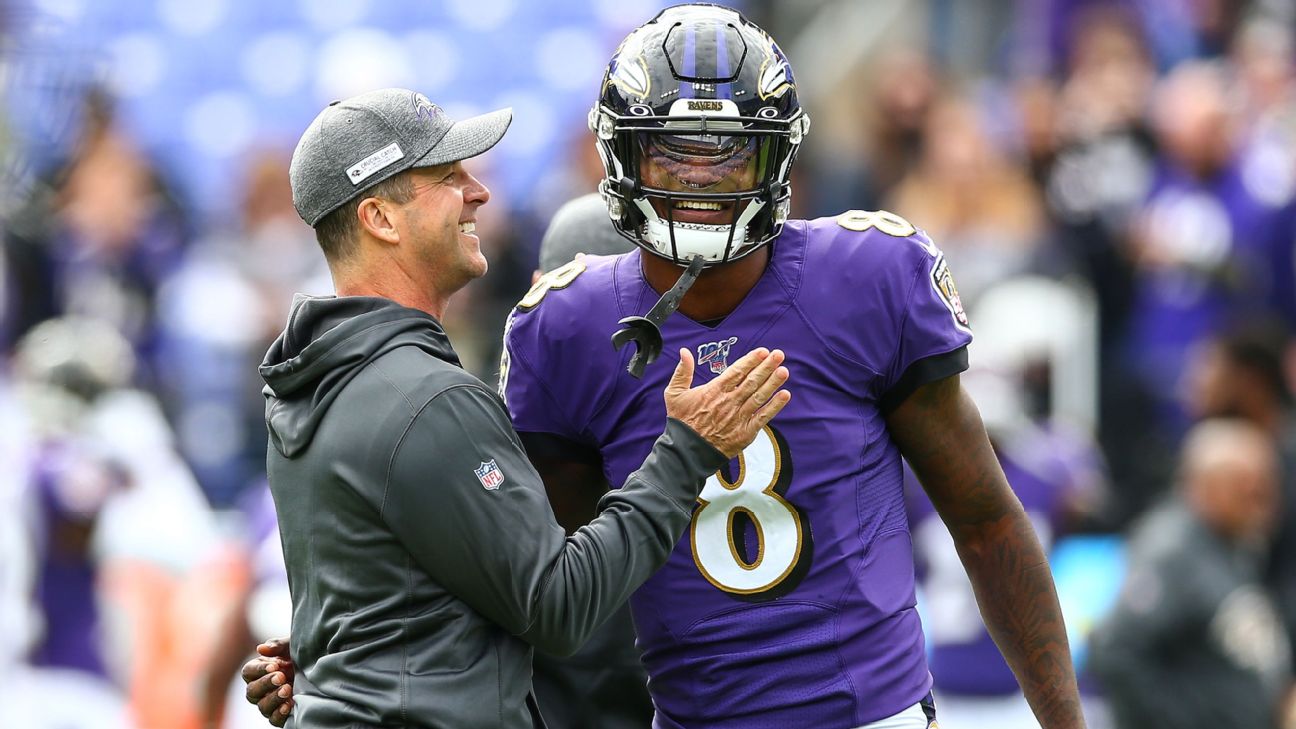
(378, 218)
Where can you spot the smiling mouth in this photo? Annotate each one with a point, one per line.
(697, 211)
(698, 205)
(469, 227)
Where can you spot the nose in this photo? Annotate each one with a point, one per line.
(698, 175)
(475, 193)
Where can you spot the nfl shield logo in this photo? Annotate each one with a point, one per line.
(489, 475)
(716, 354)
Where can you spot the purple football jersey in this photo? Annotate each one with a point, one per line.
(789, 602)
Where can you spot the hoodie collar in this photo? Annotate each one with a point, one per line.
(326, 342)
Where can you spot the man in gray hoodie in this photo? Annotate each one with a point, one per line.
(423, 558)
(1194, 641)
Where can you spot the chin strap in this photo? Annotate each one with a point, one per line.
(645, 331)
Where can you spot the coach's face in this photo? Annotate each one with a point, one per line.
(440, 225)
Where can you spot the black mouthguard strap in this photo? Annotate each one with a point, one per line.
(645, 331)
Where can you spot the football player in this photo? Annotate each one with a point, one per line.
(790, 603)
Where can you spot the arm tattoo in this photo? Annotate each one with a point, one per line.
(940, 433)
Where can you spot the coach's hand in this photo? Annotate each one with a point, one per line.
(269, 678)
(731, 409)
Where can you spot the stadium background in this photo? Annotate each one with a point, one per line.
(1112, 181)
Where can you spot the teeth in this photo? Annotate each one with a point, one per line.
(467, 227)
(697, 205)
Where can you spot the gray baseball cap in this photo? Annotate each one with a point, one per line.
(357, 143)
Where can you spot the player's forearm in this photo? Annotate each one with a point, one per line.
(939, 431)
(1018, 601)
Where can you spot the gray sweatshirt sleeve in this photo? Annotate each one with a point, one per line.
(462, 497)
(1164, 604)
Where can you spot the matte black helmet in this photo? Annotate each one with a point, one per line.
(698, 124)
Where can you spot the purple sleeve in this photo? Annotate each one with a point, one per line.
(558, 365)
(932, 323)
(532, 406)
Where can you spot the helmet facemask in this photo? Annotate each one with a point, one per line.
(685, 185)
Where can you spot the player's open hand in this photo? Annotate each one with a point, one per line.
(269, 679)
(731, 409)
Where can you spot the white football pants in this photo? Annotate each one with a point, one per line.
(911, 718)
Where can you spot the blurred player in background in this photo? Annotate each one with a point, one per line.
(65, 478)
(580, 226)
(791, 603)
(100, 463)
(1239, 373)
(1193, 621)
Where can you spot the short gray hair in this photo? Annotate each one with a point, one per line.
(339, 231)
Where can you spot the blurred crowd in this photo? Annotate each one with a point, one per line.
(1113, 182)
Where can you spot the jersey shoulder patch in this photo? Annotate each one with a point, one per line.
(943, 281)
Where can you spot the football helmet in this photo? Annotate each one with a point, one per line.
(697, 125)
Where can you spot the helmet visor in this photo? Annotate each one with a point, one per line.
(705, 163)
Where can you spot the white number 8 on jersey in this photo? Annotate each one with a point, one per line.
(782, 533)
